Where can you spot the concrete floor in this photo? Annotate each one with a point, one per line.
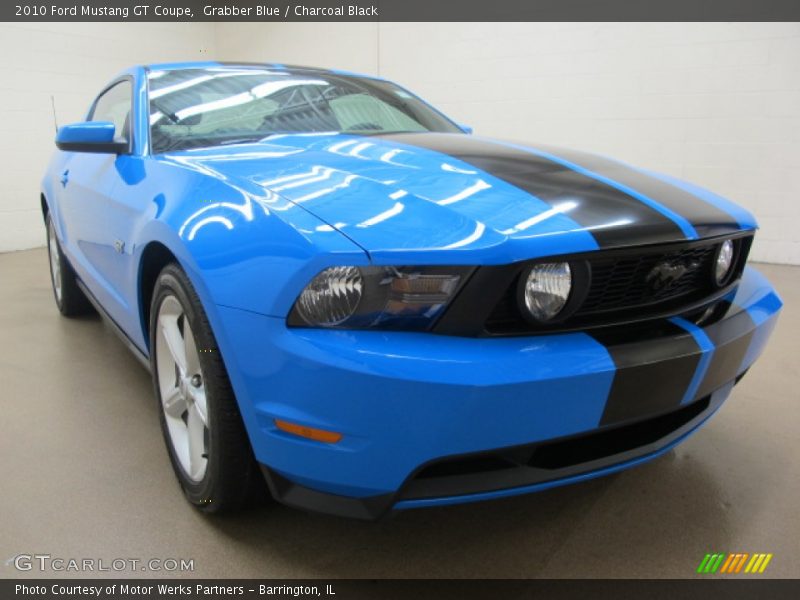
(85, 474)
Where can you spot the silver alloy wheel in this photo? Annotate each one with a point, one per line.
(182, 388)
(55, 263)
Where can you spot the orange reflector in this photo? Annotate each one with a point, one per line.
(318, 435)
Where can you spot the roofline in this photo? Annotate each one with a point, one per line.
(177, 66)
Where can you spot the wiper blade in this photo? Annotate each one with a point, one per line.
(372, 132)
(247, 140)
(173, 118)
(196, 143)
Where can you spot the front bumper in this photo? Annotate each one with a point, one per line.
(429, 419)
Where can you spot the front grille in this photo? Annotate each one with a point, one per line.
(622, 282)
(617, 288)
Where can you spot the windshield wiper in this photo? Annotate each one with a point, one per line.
(372, 132)
(244, 140)
(173, 118)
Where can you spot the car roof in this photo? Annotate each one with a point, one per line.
(177, 66)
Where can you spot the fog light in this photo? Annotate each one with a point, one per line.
(724, 262)
(547, 289)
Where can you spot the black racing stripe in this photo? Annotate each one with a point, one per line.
(707, 219)
(731, 337)
(652, 377)
(656, 363)
(599, 204)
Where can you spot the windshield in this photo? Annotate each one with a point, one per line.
(191, 108)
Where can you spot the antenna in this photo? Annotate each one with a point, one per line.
(55, 119)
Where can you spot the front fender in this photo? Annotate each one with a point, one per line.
(240, 245)
(49, 189)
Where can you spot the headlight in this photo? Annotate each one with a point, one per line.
(547, 289)
(722, 268)
(331, 297)
(408, 298)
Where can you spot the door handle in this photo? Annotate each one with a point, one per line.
(65, 178)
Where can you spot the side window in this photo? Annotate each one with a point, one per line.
(115, 105)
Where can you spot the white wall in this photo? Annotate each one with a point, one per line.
(72, 61)
(714, 103)
(346, 46)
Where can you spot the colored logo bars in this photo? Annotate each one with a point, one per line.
(734, 563)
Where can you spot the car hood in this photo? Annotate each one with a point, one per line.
(431, 193)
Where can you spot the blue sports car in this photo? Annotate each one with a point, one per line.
(341, 292)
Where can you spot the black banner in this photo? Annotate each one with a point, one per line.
(390, 589)
(403, 10)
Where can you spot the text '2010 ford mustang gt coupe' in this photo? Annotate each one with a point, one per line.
(341, 292)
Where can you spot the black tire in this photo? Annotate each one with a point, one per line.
(232, 479)
(70, 300)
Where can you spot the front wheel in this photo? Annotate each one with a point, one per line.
(69, 298)
(205, 436)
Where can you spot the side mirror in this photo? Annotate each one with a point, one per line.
(91, 136)
(465, 128)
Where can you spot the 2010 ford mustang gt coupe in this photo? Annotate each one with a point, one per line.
(341, 292)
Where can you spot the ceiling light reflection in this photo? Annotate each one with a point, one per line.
(454, 169)
(559, 209)
(203, 222)
(475, 235)
(478, 186)
(346, 182)
(379, 218)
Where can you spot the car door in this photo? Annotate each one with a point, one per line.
(98, 221)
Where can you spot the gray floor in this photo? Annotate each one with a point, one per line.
(85, 475)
